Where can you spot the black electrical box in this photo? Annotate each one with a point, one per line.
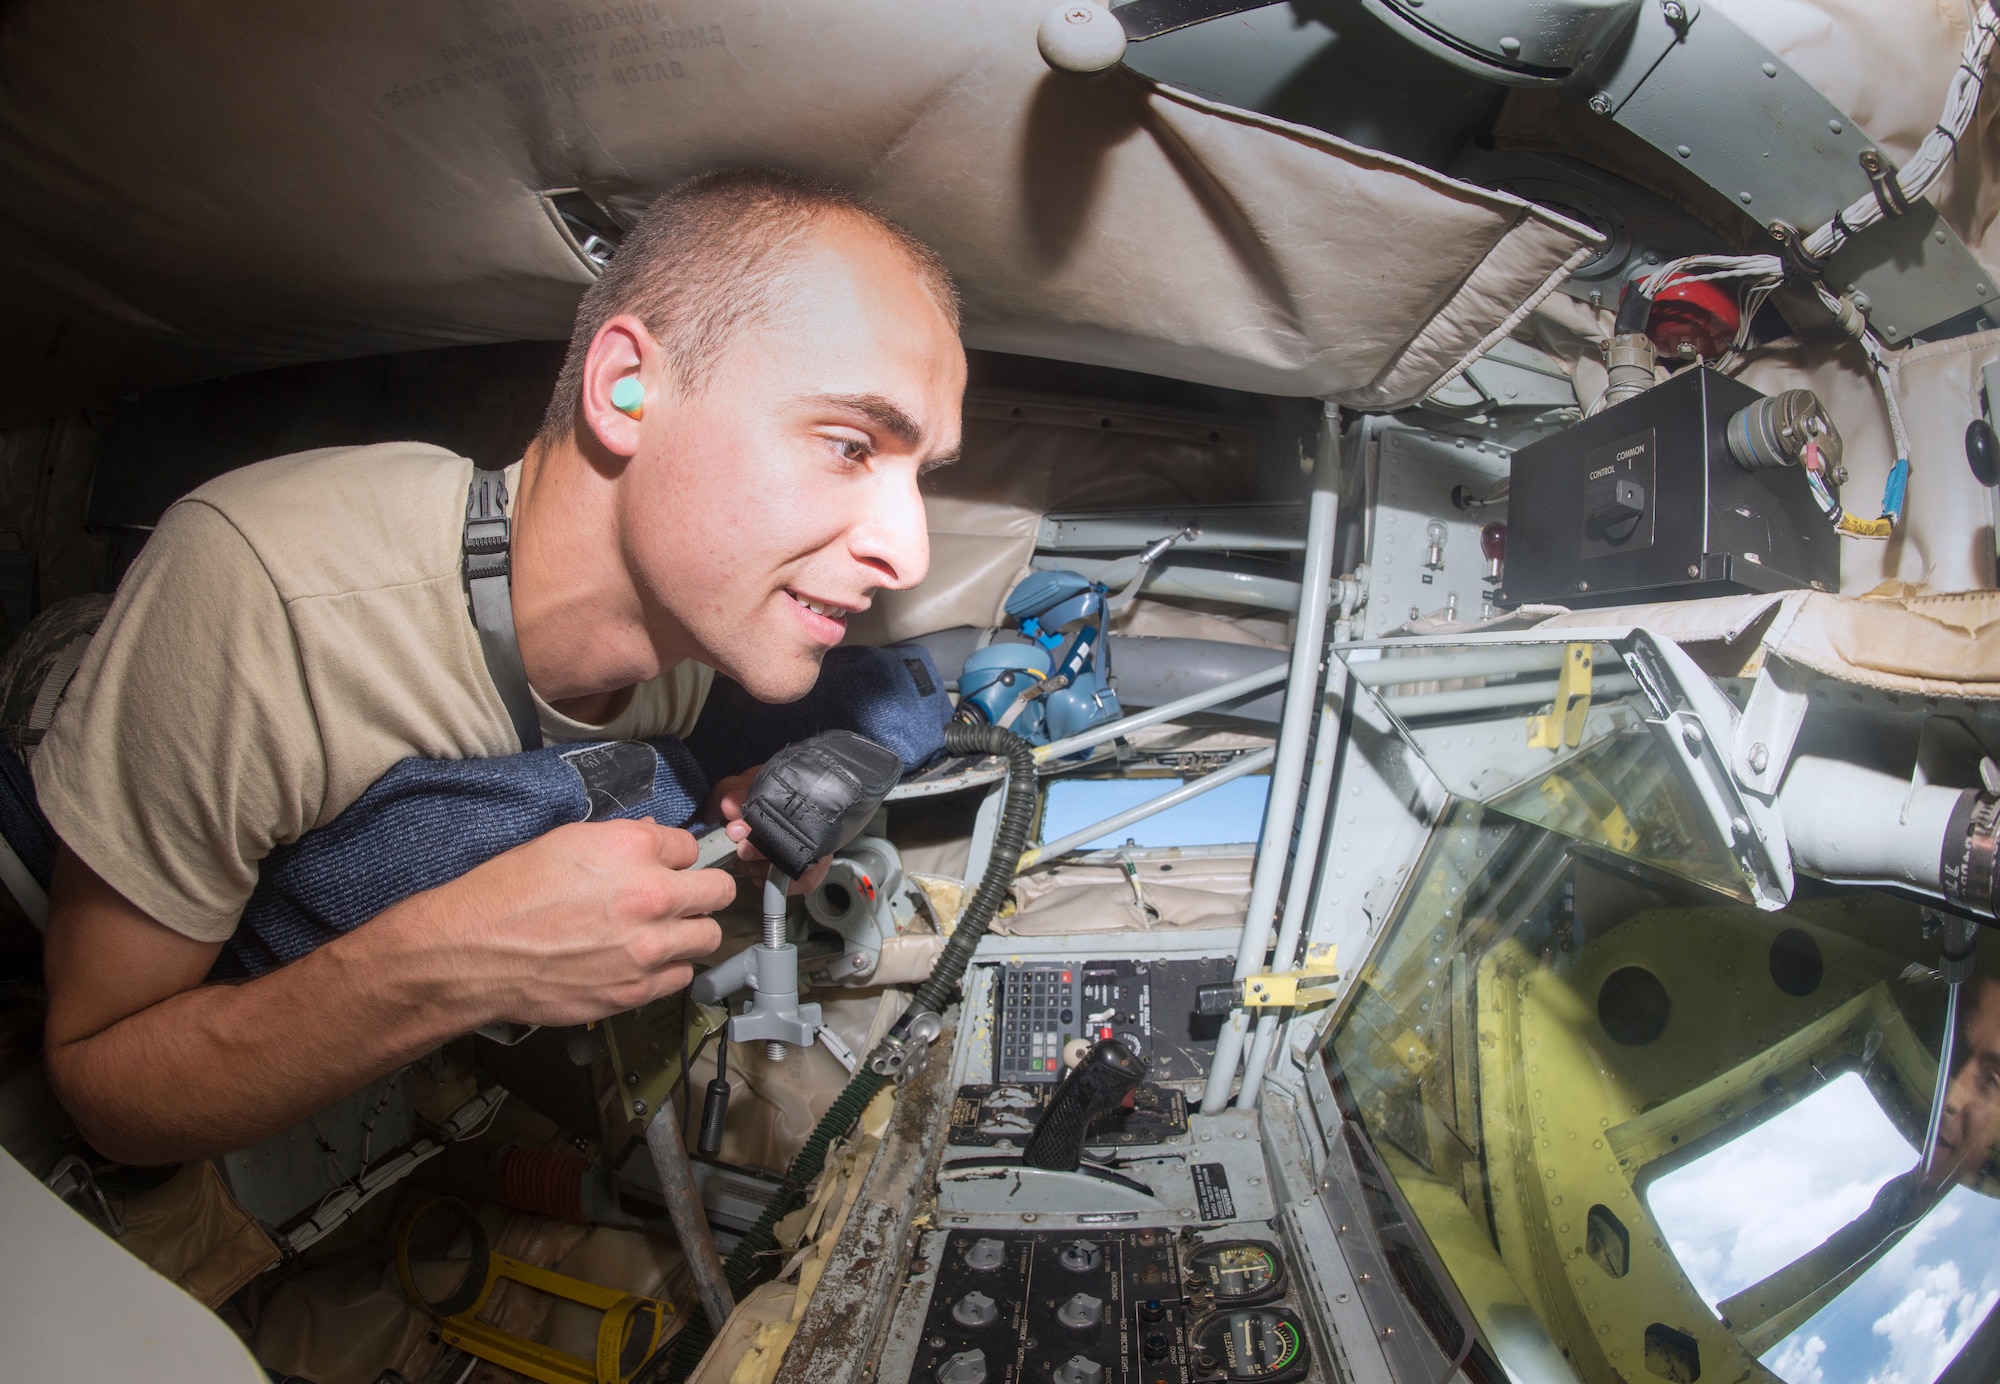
(1644, 502)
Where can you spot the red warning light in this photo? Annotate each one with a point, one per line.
(1694, 318)
(1493, 541)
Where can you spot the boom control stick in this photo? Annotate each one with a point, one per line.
(809, 800)
(1106, 1078)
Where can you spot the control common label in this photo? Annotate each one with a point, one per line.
(1211, 1192)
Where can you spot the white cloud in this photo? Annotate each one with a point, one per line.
(1913, 1310)
(1757, 1203)
(1930, 1325)
(1797, 1361)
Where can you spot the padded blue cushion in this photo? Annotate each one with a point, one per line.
(428, 821)
(892, 695)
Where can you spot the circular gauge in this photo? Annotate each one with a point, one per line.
(1241, 1273)
(1266, 1343)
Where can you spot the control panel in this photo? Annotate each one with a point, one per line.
(1153, 1007)
(1144, 1306)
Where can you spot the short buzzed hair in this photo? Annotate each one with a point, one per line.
(702, 263)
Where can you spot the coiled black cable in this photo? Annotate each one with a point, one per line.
(1016, 818)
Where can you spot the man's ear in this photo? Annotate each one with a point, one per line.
(623, 350)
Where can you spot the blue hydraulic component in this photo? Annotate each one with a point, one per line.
(1032, 689)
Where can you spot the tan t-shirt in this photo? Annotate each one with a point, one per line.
(290, 631)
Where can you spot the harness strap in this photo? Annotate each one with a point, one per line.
(488, 538)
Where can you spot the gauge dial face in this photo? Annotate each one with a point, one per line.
(1266, 1344)
(1239, 1272)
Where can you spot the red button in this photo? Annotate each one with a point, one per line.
(1105, 1034)
(1065, 975)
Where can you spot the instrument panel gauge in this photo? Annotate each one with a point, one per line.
(1241, 1273)
(1265, 1343)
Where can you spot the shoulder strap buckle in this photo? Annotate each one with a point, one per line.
(487, 569)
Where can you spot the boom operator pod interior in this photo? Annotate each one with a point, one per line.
(1596, 986)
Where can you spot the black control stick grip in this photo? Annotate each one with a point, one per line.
(1096, 1086)
(815, 796)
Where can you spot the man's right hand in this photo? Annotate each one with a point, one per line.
(157, 1067)
(589, 920)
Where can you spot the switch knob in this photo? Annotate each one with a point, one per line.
(975, 1309)
(1618, 507)
(1079, 1369)
(1081, 1312)
(966, 1367)
(1982, 452)
(1078, 1256)
(986, 1254)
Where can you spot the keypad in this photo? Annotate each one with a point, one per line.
(1038, 1015)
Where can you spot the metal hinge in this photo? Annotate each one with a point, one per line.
(1562, 725)
(1310, 984)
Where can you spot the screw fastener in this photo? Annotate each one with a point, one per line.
(1601, 103)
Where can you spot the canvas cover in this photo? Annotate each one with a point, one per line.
(191, 188)
(1899, 639)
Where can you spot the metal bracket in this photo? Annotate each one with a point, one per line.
(1762, 744)
(644, 1045)
(1882, 179)
(902, 1055)
(1562, 726)
(842, 1054)
(1312, 983)
(72, 1180)
(1694, 722)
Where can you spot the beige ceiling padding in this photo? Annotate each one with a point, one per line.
(1223, 625)
(985, 511)
(1904, 639)
(1946, 538)
(192, 189)
(1723, 618)
(1197, 892)
(1936, 645)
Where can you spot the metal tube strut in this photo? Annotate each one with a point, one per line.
(1288, 770)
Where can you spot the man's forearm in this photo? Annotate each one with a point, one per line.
(219, 1067)
(585, 921)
